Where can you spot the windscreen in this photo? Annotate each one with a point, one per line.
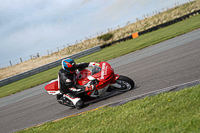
(94, 69)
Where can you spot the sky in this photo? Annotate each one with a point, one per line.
(29, 27)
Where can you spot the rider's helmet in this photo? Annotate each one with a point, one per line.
(69, 65)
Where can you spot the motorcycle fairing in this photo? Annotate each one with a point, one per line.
(81, 78)
(104, 73)
(98, 93)
(105, 76)
(52, 87)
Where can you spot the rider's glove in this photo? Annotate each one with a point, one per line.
(73, 89)
(89, 88)
(91, 64)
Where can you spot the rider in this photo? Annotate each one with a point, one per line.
(67, 80)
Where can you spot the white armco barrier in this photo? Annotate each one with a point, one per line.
(47, 66)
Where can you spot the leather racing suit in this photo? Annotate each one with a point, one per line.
(67, 85)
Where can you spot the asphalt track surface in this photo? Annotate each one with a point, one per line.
(166, 64)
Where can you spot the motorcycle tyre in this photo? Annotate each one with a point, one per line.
(126, 81)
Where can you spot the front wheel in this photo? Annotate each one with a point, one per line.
(125, 84)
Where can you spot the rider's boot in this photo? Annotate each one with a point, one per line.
(78, 103)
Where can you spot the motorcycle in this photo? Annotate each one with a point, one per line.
(102, 74)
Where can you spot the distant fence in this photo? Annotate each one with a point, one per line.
(46, 67)
(50, 51)
(88, 51)
(153, 28)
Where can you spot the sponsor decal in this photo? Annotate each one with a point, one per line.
(104, 70)
(68, 80)
(53, 92)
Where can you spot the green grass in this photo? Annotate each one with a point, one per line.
(171, 112)
(108, 53)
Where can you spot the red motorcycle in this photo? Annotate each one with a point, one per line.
(102, 74)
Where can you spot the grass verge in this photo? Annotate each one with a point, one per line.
(108, 53)
(167, 112)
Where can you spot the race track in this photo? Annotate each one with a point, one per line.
(169, 63)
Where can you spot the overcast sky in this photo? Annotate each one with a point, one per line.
(34, 26)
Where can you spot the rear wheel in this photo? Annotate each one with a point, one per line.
(59, 99)
(126, 83)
